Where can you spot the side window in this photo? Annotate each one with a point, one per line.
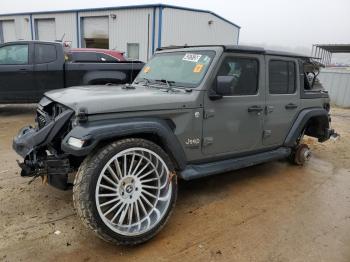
(84, 57)
(282, 77)
(245, 72)
(14, 55)
(45, 53)
(133, 50)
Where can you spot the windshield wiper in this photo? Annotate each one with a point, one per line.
(167, 82)
(143, 80)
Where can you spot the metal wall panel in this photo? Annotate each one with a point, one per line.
(45, 29)
(66, 26)
(181, 27)
(8, 30)
(142, 26)
(22, 26)
(337, 83)
(127, 26)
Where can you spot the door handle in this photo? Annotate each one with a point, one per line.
(23, 70)
(256, 109)
(291, 106)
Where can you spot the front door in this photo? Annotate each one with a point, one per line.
(282, 99)
(16, 74)
(233, 124)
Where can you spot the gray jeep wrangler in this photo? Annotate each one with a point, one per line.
(190, 113)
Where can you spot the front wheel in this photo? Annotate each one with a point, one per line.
(125, 192)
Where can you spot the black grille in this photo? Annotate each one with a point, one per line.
(41, 118)
(41, 121)
(46, 114)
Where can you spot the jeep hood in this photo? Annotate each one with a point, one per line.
(107, 99)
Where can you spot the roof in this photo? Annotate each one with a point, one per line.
(32, 41)
(126, 7)
(335, 48)
(244, 49)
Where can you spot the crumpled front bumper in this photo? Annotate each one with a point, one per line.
(29, 138)
(31, 144)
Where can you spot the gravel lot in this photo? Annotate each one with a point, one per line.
(271, 212)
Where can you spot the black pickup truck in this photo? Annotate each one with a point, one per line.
(30, 68)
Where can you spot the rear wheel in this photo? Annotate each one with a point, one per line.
(300, 155)
(126, 191)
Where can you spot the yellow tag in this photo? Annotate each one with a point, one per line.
(198, 68)
(147, 69)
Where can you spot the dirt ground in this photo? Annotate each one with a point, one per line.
(271, 212)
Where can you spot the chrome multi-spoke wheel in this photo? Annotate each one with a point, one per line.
(125, 192)
(133, 191)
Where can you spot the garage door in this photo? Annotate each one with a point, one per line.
(8, 30)
(45, 29)
(96, 31)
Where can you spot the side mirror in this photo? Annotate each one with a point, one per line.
(224, 86)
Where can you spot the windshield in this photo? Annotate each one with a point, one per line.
(185, 69)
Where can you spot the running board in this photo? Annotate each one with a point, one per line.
(203, 170)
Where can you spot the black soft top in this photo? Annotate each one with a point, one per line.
(242, 49)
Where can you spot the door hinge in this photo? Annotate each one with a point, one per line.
(269, 109)
(209, 113)
(207, 141)
(267, 133)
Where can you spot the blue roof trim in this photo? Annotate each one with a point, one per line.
(153, 30)
(77, 28)
(125, 7)
(31, 26)
(160, 23)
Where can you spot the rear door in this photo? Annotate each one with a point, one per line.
(16, 73)
(48, 69)
(282, 98)
(233, 124)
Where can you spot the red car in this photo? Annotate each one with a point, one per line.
(95, 55)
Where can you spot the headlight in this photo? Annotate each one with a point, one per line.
(75, 142)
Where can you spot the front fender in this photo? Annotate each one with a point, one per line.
(98, 131)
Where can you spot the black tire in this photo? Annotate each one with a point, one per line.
(85, 186)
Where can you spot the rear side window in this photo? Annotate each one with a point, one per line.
(282, 77)
(45, 53)
(245, 72)
(84, 57)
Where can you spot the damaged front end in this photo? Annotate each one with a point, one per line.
(40, 145)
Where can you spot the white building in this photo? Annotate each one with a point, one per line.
(137, 30)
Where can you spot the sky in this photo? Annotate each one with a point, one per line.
(292, 25)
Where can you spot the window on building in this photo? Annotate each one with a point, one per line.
(45, 53)
(133, 50)
(14, 55)
(245, 72)
(282, 77)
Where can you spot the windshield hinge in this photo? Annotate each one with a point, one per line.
(209, 113)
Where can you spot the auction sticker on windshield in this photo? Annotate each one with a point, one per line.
(192, 57)
(198, 68)
(146, 69)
